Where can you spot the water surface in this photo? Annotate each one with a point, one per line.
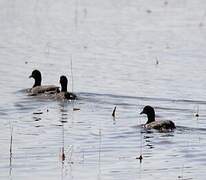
(113, 48)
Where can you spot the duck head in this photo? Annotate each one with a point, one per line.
(149, 111)
(63, 81)
(36, 74)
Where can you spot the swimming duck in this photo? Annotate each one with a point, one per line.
(152, 124)
(64, 94)
(38, 88)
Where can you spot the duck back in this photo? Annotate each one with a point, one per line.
(66, 96)
(48, 89)
(161, 125)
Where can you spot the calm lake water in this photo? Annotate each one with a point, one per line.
(113, 47)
